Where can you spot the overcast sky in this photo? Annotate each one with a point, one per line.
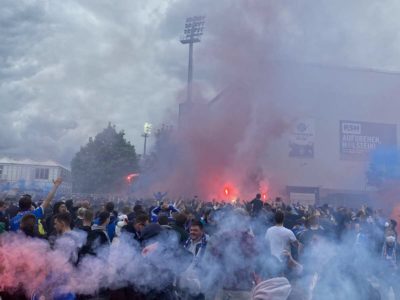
(69, 67)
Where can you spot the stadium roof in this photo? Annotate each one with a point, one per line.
(47, 163)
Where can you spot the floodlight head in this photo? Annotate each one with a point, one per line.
(194, 27)
(147, 128)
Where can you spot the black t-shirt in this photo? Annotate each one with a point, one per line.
(309, 236)
(95, 240)
(183, 235)
(85, 228)
(290, 220)
(257, 205)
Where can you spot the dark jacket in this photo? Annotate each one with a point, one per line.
(130, 230)
(96, 239)
(85, 228)
(182, 233)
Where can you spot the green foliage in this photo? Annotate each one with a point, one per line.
(102, 165)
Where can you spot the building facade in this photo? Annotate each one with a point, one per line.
(27, 176)
(337, 120)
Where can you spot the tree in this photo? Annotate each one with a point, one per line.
(103, 164)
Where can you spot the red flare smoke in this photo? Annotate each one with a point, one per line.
(131, 177)
(226, 191)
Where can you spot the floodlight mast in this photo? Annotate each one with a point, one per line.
(193, 31)
(146, 133)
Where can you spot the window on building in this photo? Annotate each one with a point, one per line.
(42, 173)
(1, 171)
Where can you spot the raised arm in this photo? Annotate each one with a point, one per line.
(51, 194)
(292, 263)
(155, 211)
(173, 208)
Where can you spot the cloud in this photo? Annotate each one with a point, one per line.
(69, 67)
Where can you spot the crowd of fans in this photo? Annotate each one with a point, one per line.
(217, 250)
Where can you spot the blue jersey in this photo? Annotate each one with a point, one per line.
(56, 296)
(158, 211)
(14, 222)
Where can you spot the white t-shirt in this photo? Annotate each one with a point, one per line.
(279, 238)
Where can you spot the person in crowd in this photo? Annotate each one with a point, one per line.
(256, 205)
(179, 226)
(390, 267)
(344, 253)
(12, 210)
(196, 244)
(209, 222)
(98, 237)
(25, 206)
(135, 228)
(290, 218)
(390, 244)
(62, 223)
(80, 217)
(137, 210)
(164, 209)
(110, 228)
(121, 223)
(58, 208)
(313, 233)
(162, 252)
(4, 221)
(235, 271)
(270, 282)
(86, 204)
(69, 203)
(164, 221)
(149, 231)
(68, 241)
(87, 221)
(100, 229)
(197, 241)
(279, 238)
(277, 288)
(28, 226)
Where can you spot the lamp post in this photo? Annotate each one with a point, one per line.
(193, 31)
(146, 133)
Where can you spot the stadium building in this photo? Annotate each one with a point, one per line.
(339, 118)
(27, 176)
